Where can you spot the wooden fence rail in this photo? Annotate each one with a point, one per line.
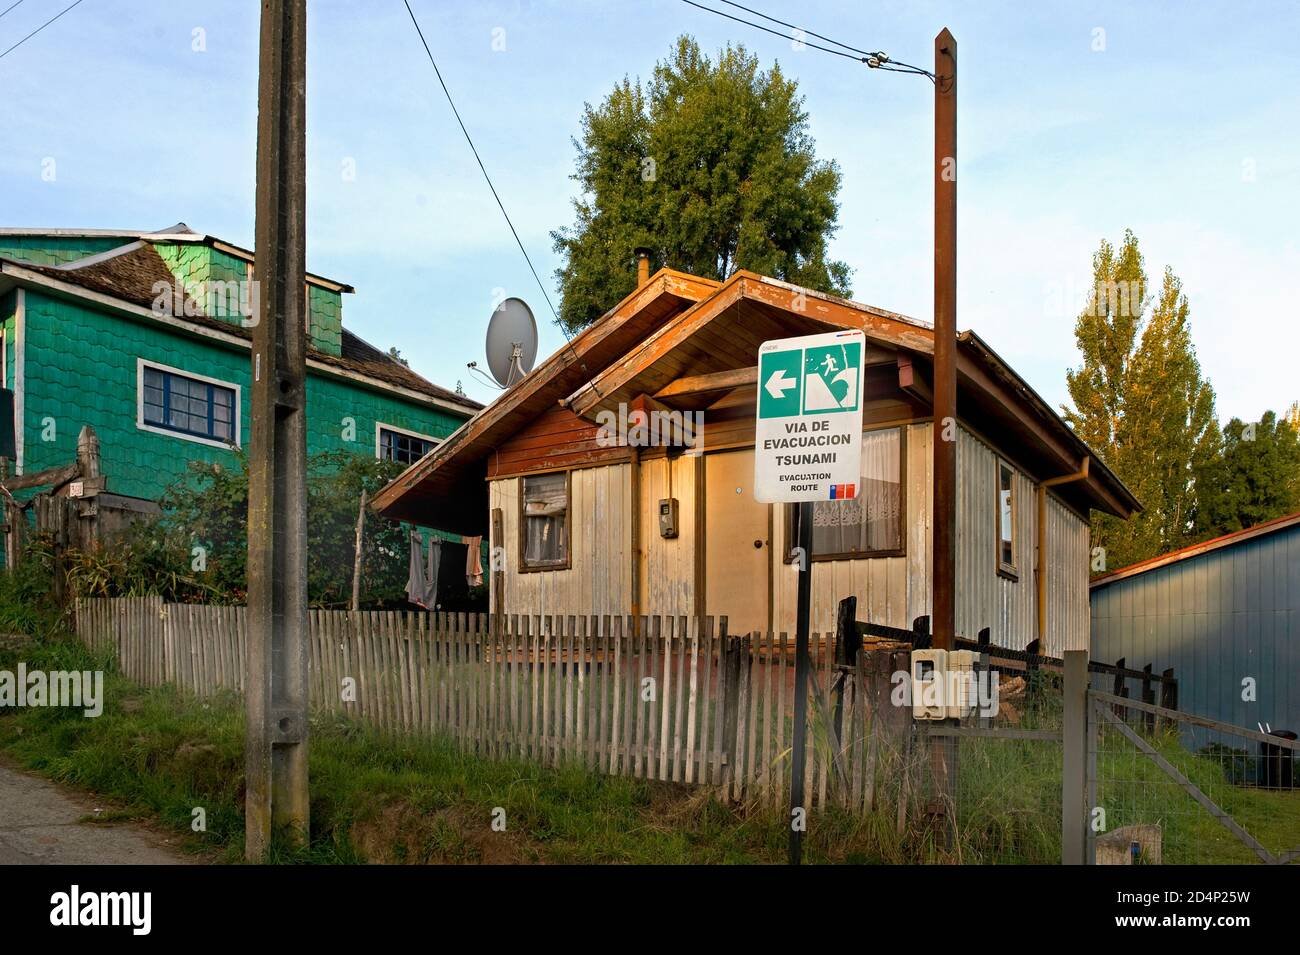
(667, 698)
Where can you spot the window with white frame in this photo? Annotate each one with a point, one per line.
(404, 447)
(544, 521)
(191, 406)
(1006, 507)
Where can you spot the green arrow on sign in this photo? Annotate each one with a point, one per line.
(781, 373)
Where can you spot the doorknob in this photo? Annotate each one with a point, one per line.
(758, 544)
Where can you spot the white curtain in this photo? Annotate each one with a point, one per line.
(546, 505)
(870, 521)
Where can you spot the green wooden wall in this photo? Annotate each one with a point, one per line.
(81, 368)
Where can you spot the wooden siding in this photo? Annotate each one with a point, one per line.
(668, 565)
(555, 439)
(598, 579)
(890, 590)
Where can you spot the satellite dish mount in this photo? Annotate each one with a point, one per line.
(511, 342)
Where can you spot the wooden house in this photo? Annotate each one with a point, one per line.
(582, 524)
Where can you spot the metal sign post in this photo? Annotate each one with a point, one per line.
(807, 448)
(798, 752)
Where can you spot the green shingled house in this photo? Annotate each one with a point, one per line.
(145, 337)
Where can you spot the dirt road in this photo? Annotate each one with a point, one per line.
(41, 824)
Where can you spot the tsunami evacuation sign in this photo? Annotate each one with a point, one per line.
(808, 434)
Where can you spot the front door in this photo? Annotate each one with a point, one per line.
(736, 543)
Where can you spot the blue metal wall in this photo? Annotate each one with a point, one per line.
(1216, 618)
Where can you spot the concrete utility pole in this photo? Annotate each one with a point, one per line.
(944, 554)
(276, 679)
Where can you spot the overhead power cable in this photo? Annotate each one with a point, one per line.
(877, 60)
(481, 167)
(501, 205)
(38, 29)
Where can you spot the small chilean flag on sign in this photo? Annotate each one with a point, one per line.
(841, 492)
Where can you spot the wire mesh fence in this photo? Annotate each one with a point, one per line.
(1170, 788)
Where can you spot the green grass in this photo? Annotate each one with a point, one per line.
(1132, 789)
(155, 756)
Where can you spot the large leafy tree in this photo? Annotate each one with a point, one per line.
(1140, 401)
(1255, 478)
(710, 166)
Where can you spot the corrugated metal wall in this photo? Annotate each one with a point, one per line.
(1217, 619)
(1068, 548)
(896, 590)
(985, 598)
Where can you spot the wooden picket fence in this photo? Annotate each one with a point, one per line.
(666, 698)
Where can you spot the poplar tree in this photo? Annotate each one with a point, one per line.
(1140, 402)
(710, 166)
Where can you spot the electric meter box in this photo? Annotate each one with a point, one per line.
(929, 684)
(668, 517)
(961, 693)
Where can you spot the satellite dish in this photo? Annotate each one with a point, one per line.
(511, 342)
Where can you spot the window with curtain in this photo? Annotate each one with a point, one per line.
(870, 524)
(545, 515)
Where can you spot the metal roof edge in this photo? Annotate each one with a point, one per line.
(1262, 529)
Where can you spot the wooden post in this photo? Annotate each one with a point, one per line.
(1074, 783)
(88, 453)
(848, 643)
(276, 675)
(496, 567)
(1169, 690)
(1121, 686)
(944, 527)
(356, 557)
(1148, 696)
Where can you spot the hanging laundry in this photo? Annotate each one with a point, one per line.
(474, 561)
(434, 563)
(422, 582)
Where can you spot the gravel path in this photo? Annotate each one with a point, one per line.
(41, 824)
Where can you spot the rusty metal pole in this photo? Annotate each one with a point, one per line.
(943, 750)
(944, 554)
(276, 677)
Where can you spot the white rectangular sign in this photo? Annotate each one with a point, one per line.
(808, 430)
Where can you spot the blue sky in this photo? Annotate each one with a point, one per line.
(1183, 128)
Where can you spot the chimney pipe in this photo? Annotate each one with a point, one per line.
(642, 266)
